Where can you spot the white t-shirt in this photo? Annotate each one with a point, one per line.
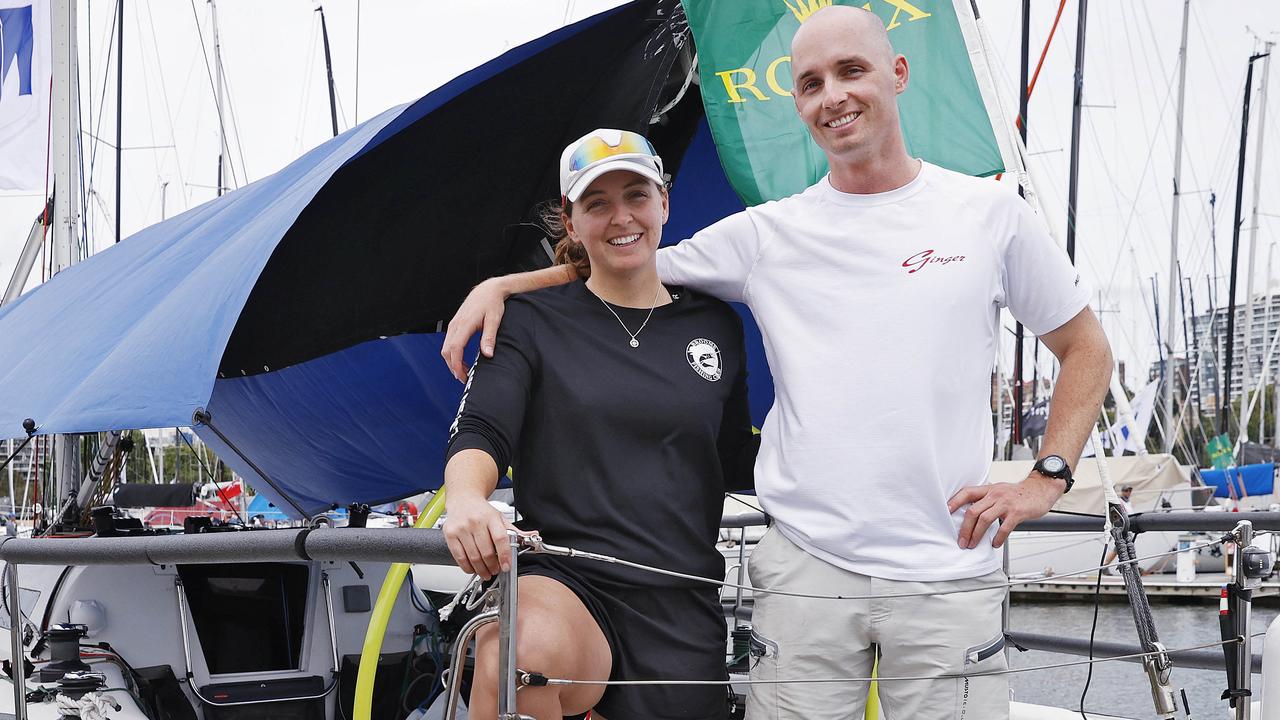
(881, 316)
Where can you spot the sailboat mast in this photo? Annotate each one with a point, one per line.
(119, 106)
(1235, 249)
(66, 143)
(328, 66)
(1175, 277)
(1247, 386)
(13, 498)
(1193, 344)
(1019, 333)
(217, 99)
(1186, 349)
(1076, 103)
(1213, 345)
(65, 120)
(1160, 342)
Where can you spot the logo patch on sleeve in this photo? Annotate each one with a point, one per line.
(704, 357)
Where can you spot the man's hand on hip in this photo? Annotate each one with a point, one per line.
(1010, 503)
(483, 308)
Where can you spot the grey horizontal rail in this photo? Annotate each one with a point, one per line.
(1177, 521)
(414, 545)
(1206, 659)
(741, 520)
(428, 546)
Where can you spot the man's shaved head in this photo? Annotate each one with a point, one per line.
(845, 20)
(846, 79)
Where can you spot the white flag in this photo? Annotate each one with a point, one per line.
(26, 68)
(1143, 405)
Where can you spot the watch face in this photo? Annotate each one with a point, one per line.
(1054, 464)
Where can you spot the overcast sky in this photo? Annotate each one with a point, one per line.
(279, 108)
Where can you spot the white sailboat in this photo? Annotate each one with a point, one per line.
(176, 622)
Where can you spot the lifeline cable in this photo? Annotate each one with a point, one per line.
(544, 548)
(535, 679)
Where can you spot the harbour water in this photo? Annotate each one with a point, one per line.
(1121, 688)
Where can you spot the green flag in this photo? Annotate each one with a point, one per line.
(1219, 449)
(745, 67)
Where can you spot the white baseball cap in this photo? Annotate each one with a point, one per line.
(605, 150)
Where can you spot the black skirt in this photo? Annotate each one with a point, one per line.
(654, 633)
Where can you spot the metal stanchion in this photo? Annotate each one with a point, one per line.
(742, 572)
(1004, 604)
(507, 637)
(453, 686)
(1247, 584)
(17, 659)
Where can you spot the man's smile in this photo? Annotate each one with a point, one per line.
(843, 120)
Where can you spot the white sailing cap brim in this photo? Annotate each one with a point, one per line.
(639, 165)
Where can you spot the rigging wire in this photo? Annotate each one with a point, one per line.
(1109, 289)
(735, 498)
(146, 83)
(1125, 242)
(356, 112)
(164, 95)
(1093, 629)
(204, 53)
(97, 129)
(216, 486)
(235, 125)
(307, 71)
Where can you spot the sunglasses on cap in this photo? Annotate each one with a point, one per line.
(594, 149)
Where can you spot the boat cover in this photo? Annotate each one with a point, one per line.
(1154, 477)
(302, 312)
(1257, 479)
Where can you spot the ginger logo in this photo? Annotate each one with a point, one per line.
(926, 257)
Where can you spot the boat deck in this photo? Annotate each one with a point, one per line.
(1206, 586)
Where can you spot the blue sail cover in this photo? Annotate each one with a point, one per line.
(302, 312)
(1241, 480)
(131, 337)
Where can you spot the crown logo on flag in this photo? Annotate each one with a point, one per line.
(802, 9)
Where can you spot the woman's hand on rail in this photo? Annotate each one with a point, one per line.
(477, 536)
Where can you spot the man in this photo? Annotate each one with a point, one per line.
(877, 291)
(1126, 493)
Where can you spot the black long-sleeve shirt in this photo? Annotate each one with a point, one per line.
(614, 449)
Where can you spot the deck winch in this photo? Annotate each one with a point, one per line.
(64, 650)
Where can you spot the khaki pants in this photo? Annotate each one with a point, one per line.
(799, 638)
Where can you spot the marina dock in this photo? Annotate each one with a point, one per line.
(1206, 587)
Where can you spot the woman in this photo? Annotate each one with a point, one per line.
(621, 406)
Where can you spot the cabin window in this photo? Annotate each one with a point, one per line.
(249, 618)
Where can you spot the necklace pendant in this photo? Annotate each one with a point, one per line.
(635, 342)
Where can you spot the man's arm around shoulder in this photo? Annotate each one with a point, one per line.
(483, 309)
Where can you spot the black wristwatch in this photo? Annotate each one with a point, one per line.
(1055, 467)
